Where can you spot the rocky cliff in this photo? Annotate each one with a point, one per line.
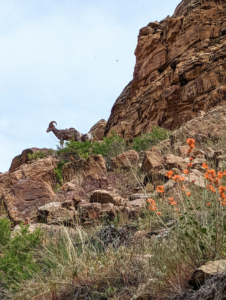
(180, 70)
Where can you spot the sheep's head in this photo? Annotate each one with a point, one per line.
(51, 126)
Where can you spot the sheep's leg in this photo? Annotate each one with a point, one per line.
(61, 144)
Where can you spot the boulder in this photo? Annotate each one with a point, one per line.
(153, 161)
(102, 196)
(58, 213)
(126, 160)
(195, 177)
(24, 198)
(42, 168)
(23, 157)
(108, 210)
(89, 212)
(206, 271)
(98, 130)
(173, 161)
(78, 170)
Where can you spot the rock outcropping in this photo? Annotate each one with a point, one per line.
(180, 70)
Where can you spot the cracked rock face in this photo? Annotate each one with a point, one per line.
(180, 70)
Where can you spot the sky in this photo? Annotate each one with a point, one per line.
(65, 61)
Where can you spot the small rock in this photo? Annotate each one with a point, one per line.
(125, 160)
(102, 196)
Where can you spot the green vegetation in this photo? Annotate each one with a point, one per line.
(115, 145)
(17, 259)
(58, 171)
(37, 155)
(146, 141)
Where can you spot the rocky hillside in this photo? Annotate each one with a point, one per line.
(180, 70)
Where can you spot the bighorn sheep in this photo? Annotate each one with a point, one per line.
(68, 134)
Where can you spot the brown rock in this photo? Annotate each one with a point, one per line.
(153, 161)
(98, 130)
(206, 271)
(108, 209)
(172, 161)
(195, 177)
(25, 197)
(78, 170)
(23, 157)
(58, 213)
(102, 196)
(89, 212)
(179, 71)
(126, 160)
(183, 151)
(42, 168)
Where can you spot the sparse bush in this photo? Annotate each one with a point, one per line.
(109, 147)
(58, 171)
(146, 141)
(17, 261)
(36, 155)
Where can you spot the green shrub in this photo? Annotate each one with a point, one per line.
(37, 155)
(109, 147)
(58, 171)
(4, 232)
(17, 261)
(146, 141)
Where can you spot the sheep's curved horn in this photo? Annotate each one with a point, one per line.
(51, 123)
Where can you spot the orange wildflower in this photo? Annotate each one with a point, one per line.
(190, 141)
(188, 193)
(205, 166)
(221, 189)
(177, 178)
(192, 146)
(71, 158)
(151, 201)
(152, 207)
(211, 188)
(159, 213)
(219, 174)
(160, 189)
(223, 203)
(169, 174)
(173, 203)
(224, 173)
(182, 178)
(185, 171)
(171, 199)
(190, 165)
(208, 204)
(177, 209)
(191, 158)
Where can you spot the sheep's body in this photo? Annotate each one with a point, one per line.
(69, 134)
(87, 137)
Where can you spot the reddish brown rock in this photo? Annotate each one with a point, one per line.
(23, 157)
(89, 212)
(58, 213)
(23, 200)
(179, 72)
(209, 127)
(125, 160)
(173, 161)
(42, 168)
(98, 130)
(108, 209)
(102, 196)
(78, 170)
(153, 161)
